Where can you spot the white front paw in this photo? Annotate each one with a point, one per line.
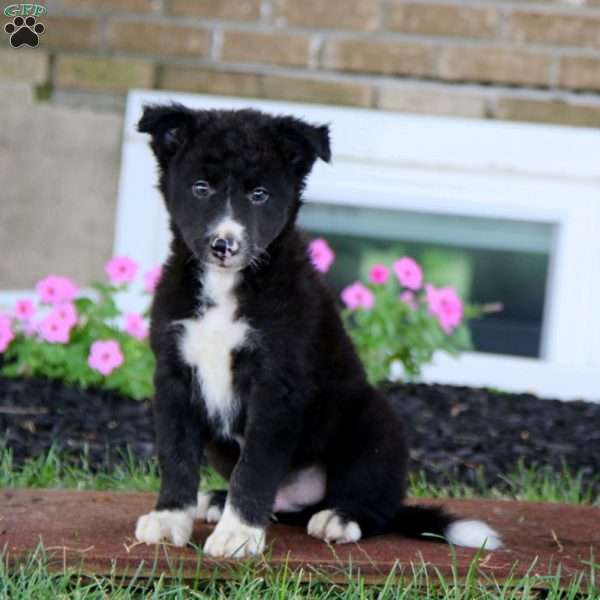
(233, 538)
(174, 526)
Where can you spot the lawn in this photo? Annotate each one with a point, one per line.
(33, 579)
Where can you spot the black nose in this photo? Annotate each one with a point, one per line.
(222, 247)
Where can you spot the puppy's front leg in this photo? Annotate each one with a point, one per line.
(180, 434)
(269, 440)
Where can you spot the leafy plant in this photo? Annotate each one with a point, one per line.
(398, 318)
(81, 339)
(87, 341)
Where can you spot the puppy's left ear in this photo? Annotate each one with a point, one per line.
(169, 125)
(304, 143)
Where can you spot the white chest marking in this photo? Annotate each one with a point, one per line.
(207, 343)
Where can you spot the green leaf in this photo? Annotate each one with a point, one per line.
(393, 331)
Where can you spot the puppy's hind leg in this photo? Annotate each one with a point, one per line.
(331, 525)
(365, 476)
(357, 505)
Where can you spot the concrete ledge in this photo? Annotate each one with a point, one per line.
(59, 167)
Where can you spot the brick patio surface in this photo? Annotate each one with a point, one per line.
(94, 531)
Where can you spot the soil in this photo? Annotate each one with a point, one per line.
(475, 436)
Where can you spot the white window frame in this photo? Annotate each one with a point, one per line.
(450, 166)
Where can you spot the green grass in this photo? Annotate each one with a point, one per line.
(33, 580)
(51, 470)
(529, 483)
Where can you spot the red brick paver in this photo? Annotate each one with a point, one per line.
(92, 530)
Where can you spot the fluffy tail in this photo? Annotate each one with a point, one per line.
(416, 521)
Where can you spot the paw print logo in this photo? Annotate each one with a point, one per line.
(24, 32)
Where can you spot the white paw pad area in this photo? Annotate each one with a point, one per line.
(234, 538)
(327, 525)
(172, 526)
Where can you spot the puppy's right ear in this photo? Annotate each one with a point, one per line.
(169, 125)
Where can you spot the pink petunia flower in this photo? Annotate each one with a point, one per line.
(66, 312)
(53, 330)
(446, 305)
(379, 274)
(24, 309)
(7, 334)
(121, 269)
(409, 273)
(56, 288)
(321, 255)
(105, 356)
(135, 326)
(30, 328)
(358, 296)
(151, 278)
(408, 297)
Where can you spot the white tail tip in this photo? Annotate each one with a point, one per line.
(472, 534)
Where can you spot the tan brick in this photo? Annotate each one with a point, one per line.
(334, 14)
(555, 111)
(443, 19)
(556, 3)
(16, 65)
(316, 90)
(274, 48)
(397, 58)
(239, 10)
(67, 33)
(552, 28)
(580, 73)
(139, 6)
(209, 82)
(495, 65)
(157, 38)
(87, 72)
(438, 101)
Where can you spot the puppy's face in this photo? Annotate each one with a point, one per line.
(231, 179)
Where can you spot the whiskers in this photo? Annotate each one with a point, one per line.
(258, 258)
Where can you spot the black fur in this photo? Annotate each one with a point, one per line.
(303, 394)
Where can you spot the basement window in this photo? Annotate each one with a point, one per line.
(486, 260)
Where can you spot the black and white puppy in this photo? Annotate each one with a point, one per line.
(254, 370)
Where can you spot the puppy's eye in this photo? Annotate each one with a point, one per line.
(200, 188)
(259, 195)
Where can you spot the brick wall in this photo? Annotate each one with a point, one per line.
(531, 61)
(515, 60)
(522, 60)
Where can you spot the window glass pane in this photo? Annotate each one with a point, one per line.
(487, 260)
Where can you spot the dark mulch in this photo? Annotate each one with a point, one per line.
(36, 414)
(457, 432)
